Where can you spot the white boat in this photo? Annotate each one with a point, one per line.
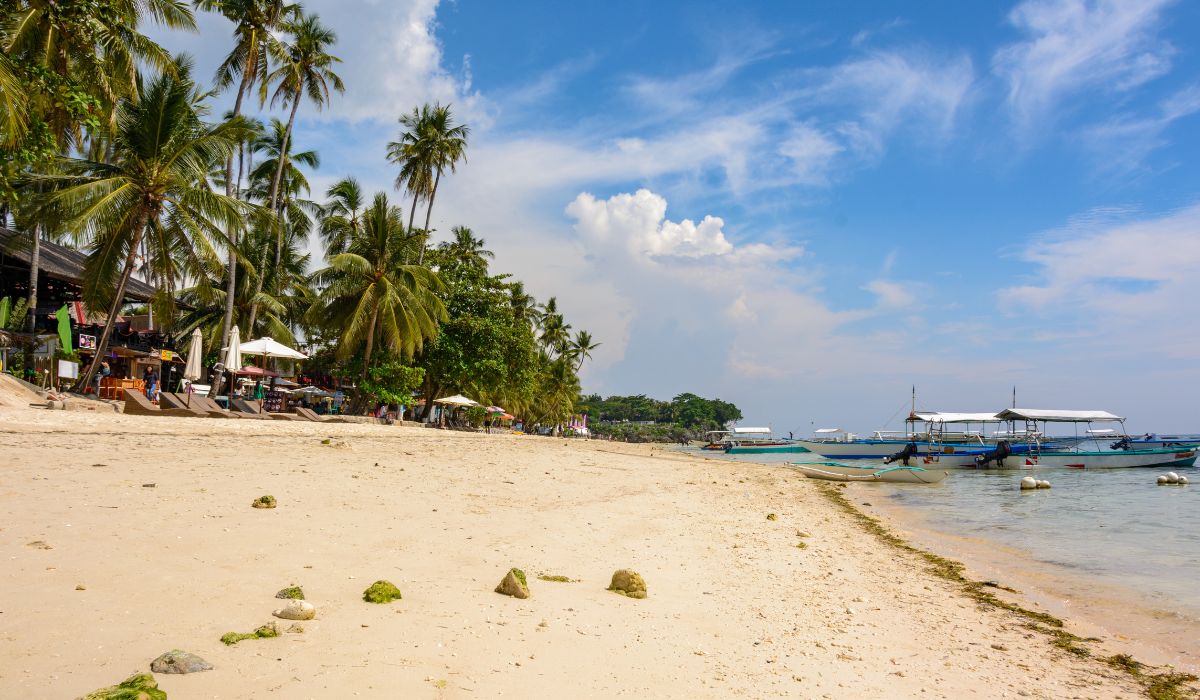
(834, 471)
(1077, 458)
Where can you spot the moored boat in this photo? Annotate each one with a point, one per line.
(1077, 458)
(835, 471)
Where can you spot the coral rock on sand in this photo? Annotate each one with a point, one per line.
(381, 592)
(296, 610)
(138, 687)
(514, 584)
(628, 583)
(264, 502)
(176, 661)
(291, 593)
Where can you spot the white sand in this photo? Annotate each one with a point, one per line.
(735, 609)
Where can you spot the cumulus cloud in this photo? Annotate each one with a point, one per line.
(639, 222)
(1073, 45)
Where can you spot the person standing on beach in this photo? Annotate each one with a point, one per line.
(101, 374)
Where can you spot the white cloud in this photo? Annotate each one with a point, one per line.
(1074, 45)
(891, 294)
(1122, 144)
(639, 222)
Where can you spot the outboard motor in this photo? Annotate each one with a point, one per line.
(909, 451)
(1122, 444)
(1003, 450)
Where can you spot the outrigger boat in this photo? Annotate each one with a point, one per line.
(835, 471)
(754, 441)
(1075, 458)
(937, 443)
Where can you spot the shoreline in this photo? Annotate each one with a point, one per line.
(738, 603)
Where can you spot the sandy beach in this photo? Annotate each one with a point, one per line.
(103, 573)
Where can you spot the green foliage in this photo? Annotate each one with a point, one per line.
(12, 315)
(392, 382)
(643, 419)
(265, 632)
(141, 686)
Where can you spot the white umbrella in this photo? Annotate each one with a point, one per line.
(191, 371)
(456, 400)
(269, 347)
(233, 357)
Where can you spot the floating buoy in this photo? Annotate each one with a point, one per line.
(1183, 481)
(1028, 483)
(1161, 480)
(1043, 484)
(1172, 478)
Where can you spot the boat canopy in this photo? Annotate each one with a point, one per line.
(932, 417)
(751, 431)
(1056, 416)
(825, 431)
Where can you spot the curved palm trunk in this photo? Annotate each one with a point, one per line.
(283, 149)
(429, 212)
(115, 306)
(35, 257)
(230, 190)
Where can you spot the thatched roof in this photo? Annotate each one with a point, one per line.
(61, 263)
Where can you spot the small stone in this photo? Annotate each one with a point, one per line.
(80, 587)
(514, 584)
(772, 516)
(39, 544)
(296, 628)
(291, 593)
(176, 661)
(381, 592)
(802, 533)
(267, 501)
(296, 610)
(149, 486)
(628, 583)
(999, 647)
(141, 686)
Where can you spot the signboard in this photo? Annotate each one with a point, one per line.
(87, 342)
(166, 355)
(68, 369)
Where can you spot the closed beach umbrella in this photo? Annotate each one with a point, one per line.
(191, 371)
(233, 357)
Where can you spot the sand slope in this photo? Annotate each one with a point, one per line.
(735, 609)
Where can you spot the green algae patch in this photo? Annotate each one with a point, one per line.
(267, 501)
(265, 632)
(381, 592)
(554, 578)
(628, 583)
(801, 545)
(772, 516)
(137, 687)
(291, 593)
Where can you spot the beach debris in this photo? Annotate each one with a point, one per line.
(296, 628)
(381, 592)
(296, 610)
(554, 578)
(802, 533)
(628, 583)
(265, 632)
(80, 587)
(1043, 484)
(772, 516)
(38, 544)
(149, 486)
(177, 661)
(267, 501)
(140, 686)
(290, 593)
(1028, 483)
(514, 584)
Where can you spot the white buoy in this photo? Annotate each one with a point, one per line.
(1028, 483)
(1183, 481)
(1161, 480)
(1043, 484)
(1172, 478)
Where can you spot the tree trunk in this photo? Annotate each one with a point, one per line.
(360, 398)
(283, 148)
(114, 307)
(428, 213)
(35, 257)
(230, 190)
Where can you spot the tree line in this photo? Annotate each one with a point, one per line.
(686, 416)
(109, 143)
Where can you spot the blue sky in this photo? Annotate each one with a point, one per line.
(807, 208)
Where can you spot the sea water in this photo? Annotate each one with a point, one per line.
(1111, 535)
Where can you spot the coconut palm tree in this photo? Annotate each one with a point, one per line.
(341, 216)
(371, 294)
(162, 153)
(432, 145)
(254, 21)
(582, 347)
(306, 68)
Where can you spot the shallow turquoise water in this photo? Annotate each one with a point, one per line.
(1112, 526)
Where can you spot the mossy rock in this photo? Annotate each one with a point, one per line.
(141, 686)
(628, 583)
(555, 578)
(291, 593)
(772, 516)
(265, 632)
(514, 584)
(267, 501)
(381, 592)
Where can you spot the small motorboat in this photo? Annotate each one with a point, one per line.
(836, 471)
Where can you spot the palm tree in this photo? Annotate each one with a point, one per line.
(341, 217)
(255, 21)
(306, 69)
(372, 293)
(556, 334)
(467, 250)
(432, 145)
(162, 153)
(582, 347)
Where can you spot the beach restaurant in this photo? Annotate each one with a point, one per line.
(134, 344)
